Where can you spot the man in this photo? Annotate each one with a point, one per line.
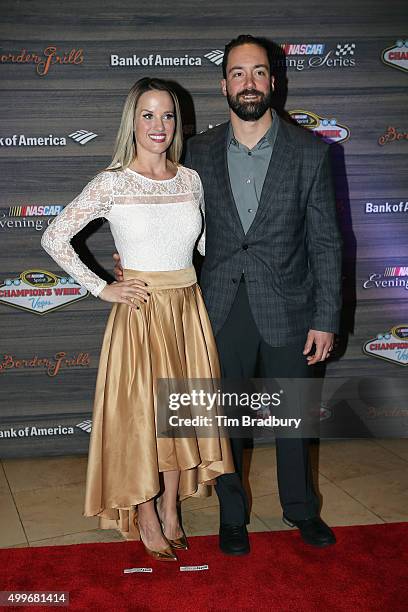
(272, 268)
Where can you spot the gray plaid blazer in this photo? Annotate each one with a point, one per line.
(291, 254)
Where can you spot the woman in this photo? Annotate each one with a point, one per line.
(158, 326)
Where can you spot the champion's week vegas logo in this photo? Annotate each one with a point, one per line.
(391, 346)
(330, 130)
(396, 56)
(40, 291)
(393, 277)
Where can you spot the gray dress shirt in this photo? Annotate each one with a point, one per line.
(247, 169)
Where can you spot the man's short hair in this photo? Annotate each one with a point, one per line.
(242, 39)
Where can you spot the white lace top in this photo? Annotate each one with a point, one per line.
(155, 224)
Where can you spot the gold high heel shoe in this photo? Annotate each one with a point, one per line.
(180, 543)
(160, 555)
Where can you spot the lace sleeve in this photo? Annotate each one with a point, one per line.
(93, 202)
(199, 196)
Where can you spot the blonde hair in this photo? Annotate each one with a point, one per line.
(125, 145)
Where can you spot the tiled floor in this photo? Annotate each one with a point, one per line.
(360, 482)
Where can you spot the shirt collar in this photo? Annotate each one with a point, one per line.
(268, 139)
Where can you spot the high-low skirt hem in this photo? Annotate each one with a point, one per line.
(168, 337)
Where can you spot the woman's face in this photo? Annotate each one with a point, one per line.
(155, 122)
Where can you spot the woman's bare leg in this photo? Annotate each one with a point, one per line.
(149, 526)
(167, 505)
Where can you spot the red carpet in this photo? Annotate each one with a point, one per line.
(366, 570)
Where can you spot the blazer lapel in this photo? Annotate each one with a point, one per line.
(278, 168)
(220, 164)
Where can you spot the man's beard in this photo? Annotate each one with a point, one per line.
(250, 111)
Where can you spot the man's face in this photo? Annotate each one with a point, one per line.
(248, 86)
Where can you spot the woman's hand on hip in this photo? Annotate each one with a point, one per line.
(124, 292)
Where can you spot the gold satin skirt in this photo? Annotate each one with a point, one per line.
(170, 336)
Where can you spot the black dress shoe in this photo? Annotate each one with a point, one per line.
(313, 531)
(234, 539)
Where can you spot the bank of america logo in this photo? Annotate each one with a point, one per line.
(82, 136)
(215, 56)
(85, 426)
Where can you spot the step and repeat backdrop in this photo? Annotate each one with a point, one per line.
(65, 71)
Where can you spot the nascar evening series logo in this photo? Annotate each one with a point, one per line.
(302, 56)
(396, 56)
(28, 216)
(392, 277)
(391, 346)
(328, 129)
(82, 137)
(385, 208)
(40, 291)
(43, 61)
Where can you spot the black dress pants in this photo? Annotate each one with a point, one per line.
(244, 355)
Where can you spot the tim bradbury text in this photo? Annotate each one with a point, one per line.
(224, 421)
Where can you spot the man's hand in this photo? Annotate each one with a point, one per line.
(323, 342)
(117, 270)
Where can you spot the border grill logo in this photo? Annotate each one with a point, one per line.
(216, 56)
(391, 346)
(328, 129)
(40, 291)
(50, 56)
(82, 136)
(397, 55)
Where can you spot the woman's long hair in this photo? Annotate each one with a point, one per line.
(125, 145)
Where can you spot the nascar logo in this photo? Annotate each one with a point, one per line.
(397, 55)
(32, 211)
(303, 48)
(328, 129)
(396, 271)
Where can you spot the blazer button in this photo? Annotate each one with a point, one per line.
(245, 246)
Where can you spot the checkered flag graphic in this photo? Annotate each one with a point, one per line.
(347, 49)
